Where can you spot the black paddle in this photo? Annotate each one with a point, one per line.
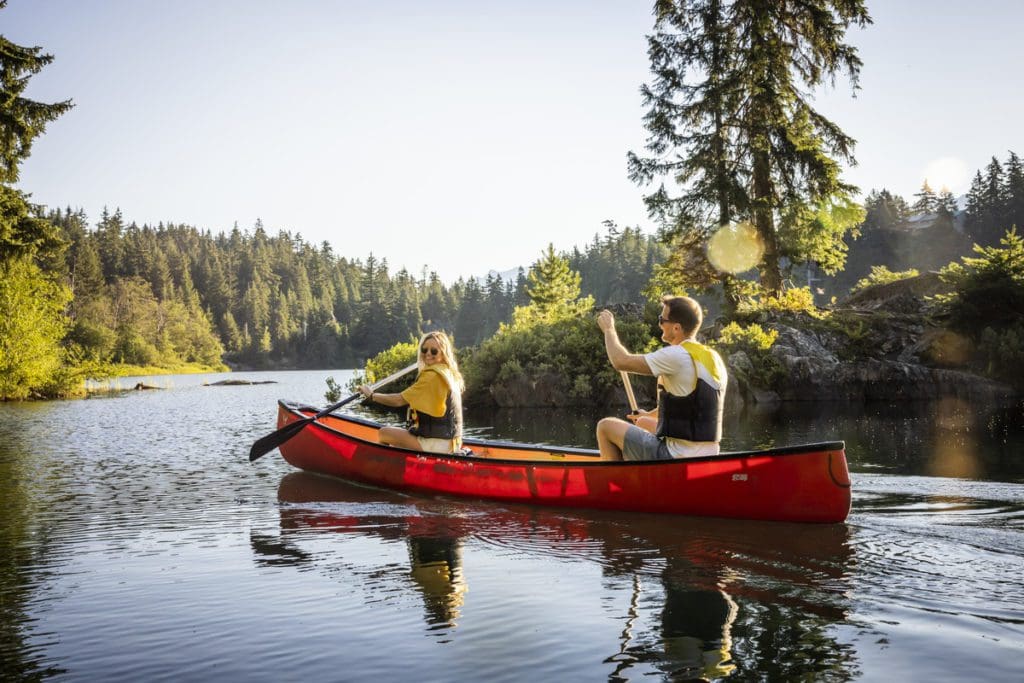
(271, 441)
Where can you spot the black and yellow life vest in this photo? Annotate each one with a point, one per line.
(447, 426)
(698, 415)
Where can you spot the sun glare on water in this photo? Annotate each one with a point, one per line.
(735, 248)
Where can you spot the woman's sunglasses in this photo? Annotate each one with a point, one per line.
(433, 352)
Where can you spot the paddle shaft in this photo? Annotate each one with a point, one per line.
(271, 441)
(629, 390)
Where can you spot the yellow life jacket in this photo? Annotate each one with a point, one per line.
(447, 426)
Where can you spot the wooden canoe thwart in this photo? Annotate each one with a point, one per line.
(806, 483)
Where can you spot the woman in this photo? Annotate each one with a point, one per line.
(434, 400)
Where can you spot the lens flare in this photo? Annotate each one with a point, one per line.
(735, 248)
(948, 172)
(956, 450)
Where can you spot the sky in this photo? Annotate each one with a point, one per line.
(461, 137)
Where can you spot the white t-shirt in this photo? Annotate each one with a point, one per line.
(678, 374)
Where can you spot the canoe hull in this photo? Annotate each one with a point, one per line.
(799, 484)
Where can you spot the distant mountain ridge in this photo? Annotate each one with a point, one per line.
(506, 275)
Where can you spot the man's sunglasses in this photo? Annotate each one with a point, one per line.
(662, 321)
(433, 352)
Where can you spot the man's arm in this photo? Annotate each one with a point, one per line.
(620, 358)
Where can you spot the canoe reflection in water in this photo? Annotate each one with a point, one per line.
(700, 590)
(435, 550)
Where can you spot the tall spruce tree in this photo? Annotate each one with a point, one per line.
(731, 122)
(554, 289)
(32, 300)
(1013, 191)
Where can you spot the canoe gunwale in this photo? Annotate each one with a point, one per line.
(298, 410)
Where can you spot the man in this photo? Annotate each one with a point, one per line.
(691, 378)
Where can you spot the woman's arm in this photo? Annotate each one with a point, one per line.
(392, 400)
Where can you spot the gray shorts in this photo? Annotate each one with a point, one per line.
(640, 444)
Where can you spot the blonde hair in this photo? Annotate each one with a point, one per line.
(447, 356)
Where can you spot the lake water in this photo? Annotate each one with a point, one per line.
(138, 543)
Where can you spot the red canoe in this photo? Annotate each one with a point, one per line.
(808, 483)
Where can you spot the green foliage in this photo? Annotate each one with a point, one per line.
(32, 297)
(615, 268)
(333, 393)
(860, 334)
(554, 290)
(275, 300)
(752, 338)
(881, 275)
(21, 119)
(817, 232)
(995, 200)
(731, 124)
(1002, 351)
(987, 304)
(568, 351)
(32, 323)
(988, 288)
(794, 301)
(387, 362)
(755, 343)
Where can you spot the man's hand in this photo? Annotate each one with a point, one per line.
(605, 320)
(633, 417)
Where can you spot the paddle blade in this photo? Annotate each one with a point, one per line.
(271, 441)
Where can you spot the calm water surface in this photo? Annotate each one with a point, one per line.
(138, 543)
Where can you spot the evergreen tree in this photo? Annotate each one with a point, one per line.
(554, 290)
(406, 307)
(1013, 191)
(551, 282)
(976, 205)
(32, 301)
(497, 306)
(230, 333)
(730, 120)
(522, 292)
(926, 202)
(434, 309)
(945, 203)
(469, 329)
(993, 197)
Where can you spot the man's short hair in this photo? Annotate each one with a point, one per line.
(685, 311)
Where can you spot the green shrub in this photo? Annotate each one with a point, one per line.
(796, 300)
(1003, 353)
(385, 363)
(571, 348)
(988, 289)
(133, 349)
(880, 275)
(333, 393)
(751, 338)
(987, 305)
(755, 343)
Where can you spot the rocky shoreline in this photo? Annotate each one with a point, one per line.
(883, 344)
